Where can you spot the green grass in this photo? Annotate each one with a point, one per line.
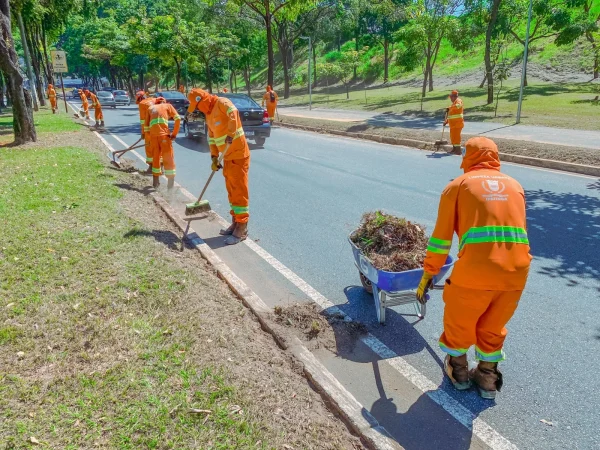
(81, 289)
(44, 120)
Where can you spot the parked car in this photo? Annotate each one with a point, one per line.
(106, 98)
(175, 98)
(108, 88)
(122, 98)
(255, 120)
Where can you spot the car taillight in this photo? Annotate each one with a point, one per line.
(265, 117)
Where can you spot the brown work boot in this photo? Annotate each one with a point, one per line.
(228, 231)
(155, 182)
(457, 369)
(487, 378)
(148, 170)
(170, 182)
(456, 150)
(239, 234)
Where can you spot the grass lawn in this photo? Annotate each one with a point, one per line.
(556, 105)
(111, 337)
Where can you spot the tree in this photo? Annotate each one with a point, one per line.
(347, 63)
(23, 125)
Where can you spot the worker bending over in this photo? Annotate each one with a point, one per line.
(143, 105)
(486, 209)
(225, 132)
(98, 116)
(157, 122)
(271, 100)
(52, 98)
(455, 118)
(84, 103)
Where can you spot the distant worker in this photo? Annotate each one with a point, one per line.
(225, 131)
(143, 105)
(52, 98)
(455, 118)
(225, 90)
(181, 89)
(84, 103)
(157, 124)
(271, 99)
(98, 116)
(486, 209)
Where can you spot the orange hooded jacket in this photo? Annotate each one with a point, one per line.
(157, 120)
(223, 120)
(143, 106)
(486, 209)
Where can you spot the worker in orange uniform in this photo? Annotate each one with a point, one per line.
(52, 98)
(143, 105)
(225, 131)
(98, 116)
(84, 103)
(271, 99)
(455, 118)
(486, 209)
(181, 89)
(157, 124)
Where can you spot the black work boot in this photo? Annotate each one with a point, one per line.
(487, 378)
(457, 369)
(239, 234)
(456, 150)
(155, 182)
(228, 231)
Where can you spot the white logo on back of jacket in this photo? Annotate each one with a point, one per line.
(495, 189)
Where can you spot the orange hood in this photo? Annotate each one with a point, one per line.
(480, 153)
(201, 100)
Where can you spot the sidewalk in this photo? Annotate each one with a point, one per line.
(544, 135)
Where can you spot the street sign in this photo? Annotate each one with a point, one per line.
(59, 61)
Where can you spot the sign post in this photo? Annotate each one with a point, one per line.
(59, 63)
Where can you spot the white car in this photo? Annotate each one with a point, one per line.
(106, 99)
(122, 98)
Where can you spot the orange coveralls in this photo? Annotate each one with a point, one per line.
(157, 120)
(486, 209)
(52, 97)
(271, 102)
(456, 121)
(181, 89)
(143, 107)
(85, 105)
(97, 107)
(223, 120)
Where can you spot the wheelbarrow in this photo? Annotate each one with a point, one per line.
(394, 288)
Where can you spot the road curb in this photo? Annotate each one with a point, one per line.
(583, 169)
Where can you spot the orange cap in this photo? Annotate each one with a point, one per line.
(49, 86)
(480, 153)
(454, 92)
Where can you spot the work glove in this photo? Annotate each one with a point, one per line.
(229, 140)
(445, 122)
(424, 286)
(215, 164)
(173, 137)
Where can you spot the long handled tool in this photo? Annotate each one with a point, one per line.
(443, 141)
(200, 205)
(114, 156)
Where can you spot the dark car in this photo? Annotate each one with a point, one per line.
(255, 120)
(175, 98)
(108, 89)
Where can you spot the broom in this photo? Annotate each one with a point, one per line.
(203, 205)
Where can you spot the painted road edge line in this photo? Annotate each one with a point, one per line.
(480, 428)
(592, 171)
(354, 414)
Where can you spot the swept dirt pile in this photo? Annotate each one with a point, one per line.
(391, 243)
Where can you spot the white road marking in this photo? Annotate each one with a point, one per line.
(294, 156)
(479, 427)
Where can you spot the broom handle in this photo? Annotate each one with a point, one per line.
(221, 156)
(130, 148)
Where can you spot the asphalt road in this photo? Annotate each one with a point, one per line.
(308, 191)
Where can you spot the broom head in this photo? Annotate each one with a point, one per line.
(114, 160)
(197, 207)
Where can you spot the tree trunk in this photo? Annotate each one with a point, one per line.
(247, 78)
(347, 91)
(49, 69)
(431, 78)
(178, 74)
(286, 72)
(36, 68)
(231, 76)
(2, 86)
(271, 58)
(489, 68)
(356, 33)
(314, 56)
(208, 77)
(32, 81)
(482, 84)
(9, 64)
(386, 59)
(425, 76)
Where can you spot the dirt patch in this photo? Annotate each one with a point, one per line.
(318, 329)
(579, 155)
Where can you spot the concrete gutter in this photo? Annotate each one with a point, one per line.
(584, 169)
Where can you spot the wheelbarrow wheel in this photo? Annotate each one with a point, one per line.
(366, 283)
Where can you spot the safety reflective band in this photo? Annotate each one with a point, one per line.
(439, 246)
(142, 121)
(146, 128)
(231, 109)
(159, 120)
(169, 172)
(452, 351)
(240, 209)
(149, 160)
(478, 235)
(238, 133)
(158, 171)
(496, 356)
(176, 117)
(455, 116)
(212, 141)
(221, 139)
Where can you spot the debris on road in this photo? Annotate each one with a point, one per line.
(391, 243)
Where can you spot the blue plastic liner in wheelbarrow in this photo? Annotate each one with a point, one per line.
(394, 281)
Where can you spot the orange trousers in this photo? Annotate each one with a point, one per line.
(455, 132)
(85, 106)
(235, 172)
(162, 147)
(477, 317)
(271, 107)
(53, 103)
(98, 114)
(148, 147)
